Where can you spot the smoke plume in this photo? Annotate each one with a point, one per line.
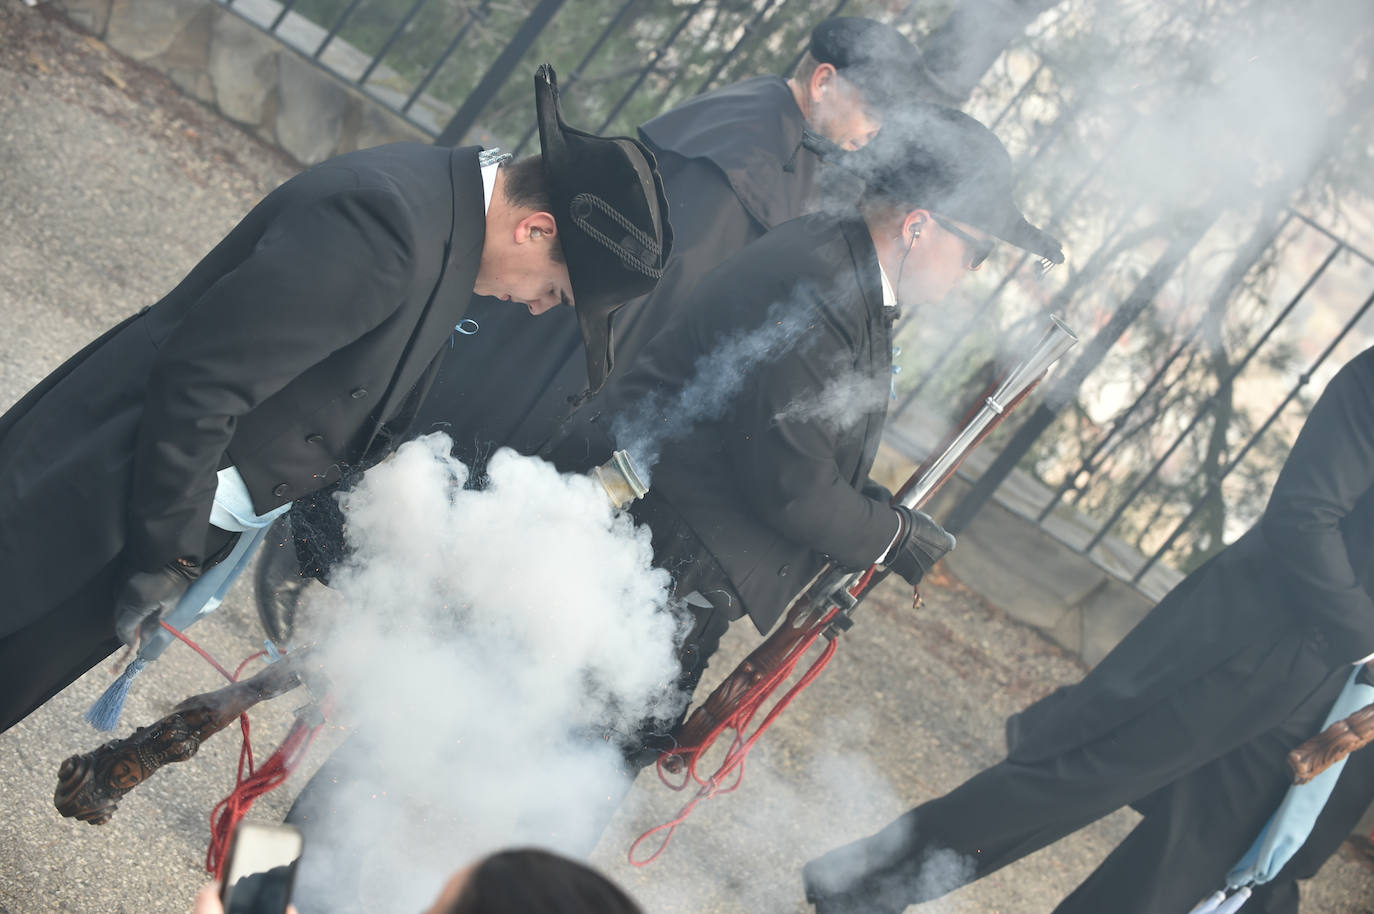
(849, 396)
(660, 418)
(492, 648)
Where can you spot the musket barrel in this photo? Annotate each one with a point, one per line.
(1057, 340)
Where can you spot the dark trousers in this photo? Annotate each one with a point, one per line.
(705, 592)
(1206, 767)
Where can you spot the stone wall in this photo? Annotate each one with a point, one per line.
(244, 73)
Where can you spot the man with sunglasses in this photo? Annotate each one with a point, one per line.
(757, 412)
(979, 249)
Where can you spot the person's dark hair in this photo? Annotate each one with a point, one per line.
(878, 209)
(525, 187)
(529, 881)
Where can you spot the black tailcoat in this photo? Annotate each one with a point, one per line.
(1310, 559)
(1188, 719)
(284, 352)
(733, 166)
(769, 490)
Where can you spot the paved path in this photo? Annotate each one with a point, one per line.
(111, 186)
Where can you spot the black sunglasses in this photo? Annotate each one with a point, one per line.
(978, 248)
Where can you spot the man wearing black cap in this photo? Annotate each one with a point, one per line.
(290, 356)
(736, 162)
(758, 411)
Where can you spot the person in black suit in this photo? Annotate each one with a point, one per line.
(1188, 719)
(789, 344)
(293, 354)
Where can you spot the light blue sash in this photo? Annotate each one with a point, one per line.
(232, 511)
(1292, 822)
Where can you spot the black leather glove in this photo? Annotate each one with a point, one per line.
(920, 544)
(147, 595)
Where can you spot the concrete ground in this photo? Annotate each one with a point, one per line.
(111, 186)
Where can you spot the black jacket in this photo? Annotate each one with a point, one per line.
(1306, 570)
(771, 485)
(285, 352)
(733, 166)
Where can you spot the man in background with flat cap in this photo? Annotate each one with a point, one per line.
(293, 354)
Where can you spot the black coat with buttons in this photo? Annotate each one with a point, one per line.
(733, 166)
(789, 343)
(289, 352)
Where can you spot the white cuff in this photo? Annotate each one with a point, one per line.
(887, 553)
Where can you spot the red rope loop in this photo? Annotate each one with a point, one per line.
(738, 720)
(251, 782)
(227, 814)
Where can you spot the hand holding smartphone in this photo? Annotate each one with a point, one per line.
(262, 869)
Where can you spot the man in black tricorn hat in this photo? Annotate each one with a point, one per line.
(736, 162)
(757, 412)
(291, 355)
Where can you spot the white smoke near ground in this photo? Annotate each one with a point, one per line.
(801, 797)
(849, 396)
(490, 646)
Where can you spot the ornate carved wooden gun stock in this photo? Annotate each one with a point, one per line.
(90, 786)
(838, 589)
(1331, 745)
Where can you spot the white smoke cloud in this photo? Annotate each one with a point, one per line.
(795, 804)
(484, 641)
(658, 419)
(848, 397)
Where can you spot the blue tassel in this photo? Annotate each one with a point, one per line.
(104, 714)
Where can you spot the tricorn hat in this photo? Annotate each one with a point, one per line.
(936, 158)
(612, 217)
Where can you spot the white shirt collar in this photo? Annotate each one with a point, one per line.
(490, 160)
(488, 183)
(889, 296)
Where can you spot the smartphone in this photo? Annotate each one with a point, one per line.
(262, 869)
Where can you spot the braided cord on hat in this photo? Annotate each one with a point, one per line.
(592, 201)
(493, 156)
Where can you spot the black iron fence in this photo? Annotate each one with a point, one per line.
(459, 69)
(1209, 316)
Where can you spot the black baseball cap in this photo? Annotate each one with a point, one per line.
(874, 56)
(940, 159)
